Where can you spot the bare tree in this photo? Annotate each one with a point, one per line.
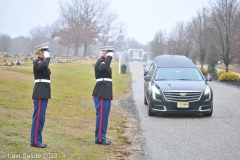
(63, 35)
(80, 23)
(39, 35)
(238, 45)
(171, 43)
(44, 32)
(200, 34)
(158, 44)
(111, 29)
(187, 41)
(226, 22)
(120, 43)
(5, 42)
(21, 45)
(132, 44)
(176, 39)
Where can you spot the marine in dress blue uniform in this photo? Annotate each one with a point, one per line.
(102, 94)
(41, 93)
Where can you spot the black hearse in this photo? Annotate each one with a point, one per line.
(175, 84)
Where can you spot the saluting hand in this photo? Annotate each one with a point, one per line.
(46, 54)
(110, 54)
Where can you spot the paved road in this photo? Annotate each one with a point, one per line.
(190, 137)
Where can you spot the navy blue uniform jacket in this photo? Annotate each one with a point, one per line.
(41, 71)
(103, 89)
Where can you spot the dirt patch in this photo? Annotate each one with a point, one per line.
(15, 75)
(132, 131)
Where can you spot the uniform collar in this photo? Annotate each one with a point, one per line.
(41, 58)
(103, 57)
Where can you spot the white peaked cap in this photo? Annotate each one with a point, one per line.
(108, 48)
(43, 46)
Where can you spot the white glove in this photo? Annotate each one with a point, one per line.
(46, 54)
(110, 54)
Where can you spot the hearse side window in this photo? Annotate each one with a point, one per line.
(151, 70)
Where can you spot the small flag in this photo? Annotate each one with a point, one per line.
(208, 76)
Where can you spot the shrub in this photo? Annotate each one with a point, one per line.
(212, 70)
(220, 72)
(212, 60)
(228, 76)
(204, 71)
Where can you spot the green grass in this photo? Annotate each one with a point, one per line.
(70, 118)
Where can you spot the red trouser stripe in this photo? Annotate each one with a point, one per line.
(38, 115)
(100, 123)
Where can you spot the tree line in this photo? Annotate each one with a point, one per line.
(212, 35)
(83, 24)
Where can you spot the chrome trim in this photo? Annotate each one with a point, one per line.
(200, 108)
(164, 109)
(174, 98)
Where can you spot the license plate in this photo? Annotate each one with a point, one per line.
(182, 104)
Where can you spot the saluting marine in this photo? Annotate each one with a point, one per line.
(102, 94)
(41, 93)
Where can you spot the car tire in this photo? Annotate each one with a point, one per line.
(208, 114)
(145, 100)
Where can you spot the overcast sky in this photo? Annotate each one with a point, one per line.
(142, 18)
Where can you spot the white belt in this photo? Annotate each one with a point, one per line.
(42, 80)
(103, 79)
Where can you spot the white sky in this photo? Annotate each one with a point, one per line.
(142, 18)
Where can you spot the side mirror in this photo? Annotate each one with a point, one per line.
(210, 78)
(147, 78)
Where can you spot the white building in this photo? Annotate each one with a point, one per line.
(136, 55)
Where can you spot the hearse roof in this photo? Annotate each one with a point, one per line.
(173, 61)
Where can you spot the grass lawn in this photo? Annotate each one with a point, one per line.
(70, 118)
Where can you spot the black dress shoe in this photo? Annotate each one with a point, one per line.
(44, 144)
(104, 143)
(40, 145)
